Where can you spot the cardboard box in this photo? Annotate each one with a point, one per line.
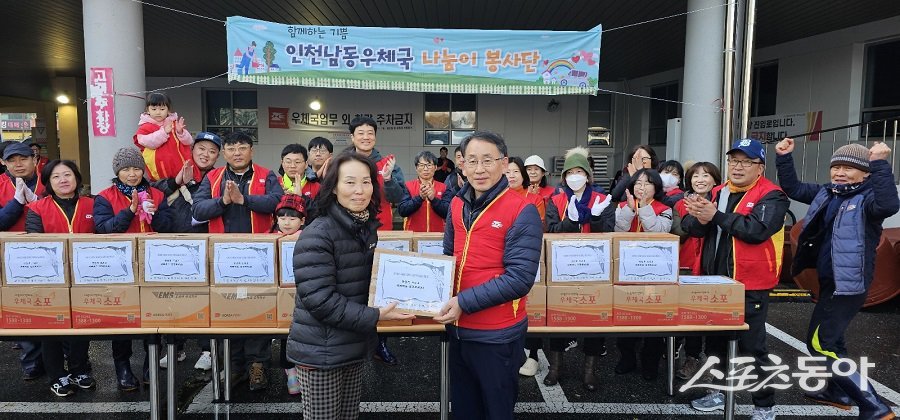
(243, 260)
(395, 240)
(174, 306)
(36, 307)
(710, 300)
(243, 307)
(645, 305)
(645, 258)
(106, 307)
(35, 260)
(586, 305)
(578, 258)
(537, 306)
(103, 259)
(286, 260)
(287, 299)
(427, 242)
(173, 260)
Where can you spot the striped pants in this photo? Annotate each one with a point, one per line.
(332, 393)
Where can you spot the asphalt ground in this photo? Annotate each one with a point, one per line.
(411, 389)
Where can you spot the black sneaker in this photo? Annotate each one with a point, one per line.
(62, 387)
(603, 351)
(383, 353)
(83, 381)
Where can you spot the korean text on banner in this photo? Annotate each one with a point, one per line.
(102, 102)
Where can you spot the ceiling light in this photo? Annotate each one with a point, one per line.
(315, 105)
(62, 98)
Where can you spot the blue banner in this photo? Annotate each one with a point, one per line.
(417, 60)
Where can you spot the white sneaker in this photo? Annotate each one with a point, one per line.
(712, 401)
(164, 362)
(529, 368)
(763, 413)
(204, 362)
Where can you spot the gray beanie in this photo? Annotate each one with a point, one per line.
(127, 157)
(852, 155)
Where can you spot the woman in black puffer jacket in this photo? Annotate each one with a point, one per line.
(334, 331)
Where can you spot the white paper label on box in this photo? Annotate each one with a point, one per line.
(705, 280)
(34, 263)
(435, 247)
(242, 293)
(245, 262)
(394, 245)
(416, 283)
(287, 262)
(586, 260)
(171, 261)
(648, 261)
(102, 262)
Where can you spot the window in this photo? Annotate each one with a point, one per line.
(600, 120)
(882, 86)
(661, 112)
(764, 90)
(449, 118)
(231, 110)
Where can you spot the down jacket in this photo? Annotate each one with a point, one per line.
(333, 326)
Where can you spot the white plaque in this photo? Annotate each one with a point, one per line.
(394, 244)
(244, 263)
(435, 247)
(580, 260)
(175, 261)
(420, 284)
(648, 262)
(103, 262)
(32, 263)
(287, 263)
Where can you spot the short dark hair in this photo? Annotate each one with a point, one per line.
(654, 161)
(707, 167)
(326, 196)
(515, 160)
(157, 99)
(487, 136)
(237, 137)
(48, 169)
(294, 148)
(321, 141)
(32, 144)
(653, 177)
(670, 165)
(287, 212)
(427, 155)
(457, 149)
(443, 149)
(363, 120)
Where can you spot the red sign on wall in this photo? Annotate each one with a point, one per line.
(102, 102)
(278, 117)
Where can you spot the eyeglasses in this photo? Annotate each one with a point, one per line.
(642, 183)
(743, 163)
(485, 163)
(318, 151)
(289, 162)
(425, 165)
(642, 159)
(241, 149)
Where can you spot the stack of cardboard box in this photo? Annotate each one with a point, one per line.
(243, 291)
(579, 275)
(104, 290)
(36, 281)
(174, 282)
(645, 290)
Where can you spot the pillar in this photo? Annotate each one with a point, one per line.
(701, 125)
(114, 37)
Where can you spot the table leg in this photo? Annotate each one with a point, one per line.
(670, 364)
(170, 378)
(214, 354)
(226, 355)
(445, 377)
(729, 392)
(153, 355)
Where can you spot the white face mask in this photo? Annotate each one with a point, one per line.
(576, 181)
(669, 181)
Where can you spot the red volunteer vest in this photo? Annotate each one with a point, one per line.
(120, 202)
(8, 190)
(385, 216)
(166, 160)
(547, 192)
(689, 253)
(55, 221)
(486, 240)
(756, 265)
(561, 201)
(535, 199)
(259, 222)
(425, 219)
(658, 208)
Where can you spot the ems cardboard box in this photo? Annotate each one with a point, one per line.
(578, 258)
(427, 242)
(537, 306)
(286, 301)
(36, 307)
(286, 260)
(98, 260)
(173, 260)
(645, 258)
(243, 306)
(106, 307)
(395, 240)
(645, 305)
(585, 305)
(243, 260)
(710, 300)
(178, 306)
(35, 259)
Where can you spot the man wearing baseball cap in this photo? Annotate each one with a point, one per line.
(743, 230)
(841, 230)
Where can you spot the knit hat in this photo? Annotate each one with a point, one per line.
(291, 201)
(577, 157)
(852, 155)
(127, 157)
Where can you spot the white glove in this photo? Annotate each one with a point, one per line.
(20, 191)
(572, 211)
(30, 196)
(146, 206)
(599, 206)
